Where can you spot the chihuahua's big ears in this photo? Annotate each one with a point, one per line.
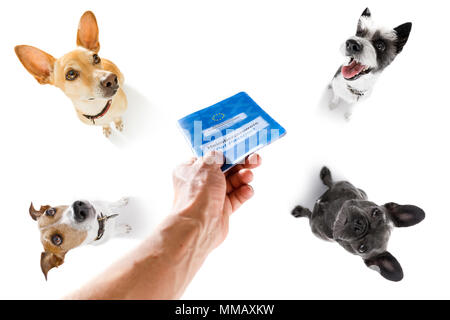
(39, 63)
(386, 265)
(49, 261)
(403, 32)
(87, 36)
(404, 216)
(35, 214)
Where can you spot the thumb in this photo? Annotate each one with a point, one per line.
(214, 158)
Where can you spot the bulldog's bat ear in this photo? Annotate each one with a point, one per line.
(35, 214)
(386, 265)
(402, 32)
(87, 36)
(404, 216)
(49, 261)
(366, 13)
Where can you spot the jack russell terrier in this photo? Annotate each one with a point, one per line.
(344, 214)
(93, 84)
(368, 53)
(66, 227)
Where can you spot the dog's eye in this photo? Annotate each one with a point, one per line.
(376, 213)
(362, 248)
(380, 45)
(72, 75)
(96, 59)
(50, 212)
(57, 240)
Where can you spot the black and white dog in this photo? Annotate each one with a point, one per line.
(369, 52)
(343, 214)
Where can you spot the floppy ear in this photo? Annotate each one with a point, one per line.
(366, 13)
(49, 261)
(386, 265)
(39, 63)
(36, 214)
(87, 36)
(403, 32)
(404, 216)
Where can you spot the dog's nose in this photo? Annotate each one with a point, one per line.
(80, 211)
(353, 46)
(359, 226)
(110, 81)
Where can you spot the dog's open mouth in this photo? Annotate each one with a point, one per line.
(353, 70)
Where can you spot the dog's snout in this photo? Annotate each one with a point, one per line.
(110, 81)
(352, 46)
(81, 211)
(109, 85)
(359, 226)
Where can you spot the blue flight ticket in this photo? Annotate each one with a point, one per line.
(237, 126)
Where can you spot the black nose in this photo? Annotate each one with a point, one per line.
(110, 81)
(359, 226)
(80, 211)
(353, 46)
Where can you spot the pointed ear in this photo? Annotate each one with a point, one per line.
(39, 63)
(366, 13)
(49, 261)
(402, 32)
(404, 216)
(87, 36)
(386, 265)
(35, 214)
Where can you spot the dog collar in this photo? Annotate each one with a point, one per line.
(100, 114)
(356, 92)
(101, 224)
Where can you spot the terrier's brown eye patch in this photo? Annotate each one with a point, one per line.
(57, 240)
(50, 212)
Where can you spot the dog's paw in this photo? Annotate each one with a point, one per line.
(123, 202)
(300, 212)
(107, 131)
(348, 116)
(125, 229)
(333, 104)
(119, 125)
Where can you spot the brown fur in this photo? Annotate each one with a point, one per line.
(53, 255)
(48, 70)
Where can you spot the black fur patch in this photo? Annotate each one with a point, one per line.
(403, 32)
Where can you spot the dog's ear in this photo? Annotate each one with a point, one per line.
(386, 265)
(366, 13)
(39, 63)
(35, 214)
(87, 36)
(402, 32)
(404, 216)
(49, 261)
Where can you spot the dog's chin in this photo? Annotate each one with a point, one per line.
(354, 69)
(104, 96)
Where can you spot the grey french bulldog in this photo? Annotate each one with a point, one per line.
(344, 214)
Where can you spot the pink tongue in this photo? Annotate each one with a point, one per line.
(352, 69)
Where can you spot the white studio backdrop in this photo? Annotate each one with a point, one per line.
(180, 56)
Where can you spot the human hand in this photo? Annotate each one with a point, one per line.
(207, 195)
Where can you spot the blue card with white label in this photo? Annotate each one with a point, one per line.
(237, 126)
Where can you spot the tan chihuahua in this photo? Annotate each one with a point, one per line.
(94, 85)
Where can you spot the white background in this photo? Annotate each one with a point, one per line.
(180, 56)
